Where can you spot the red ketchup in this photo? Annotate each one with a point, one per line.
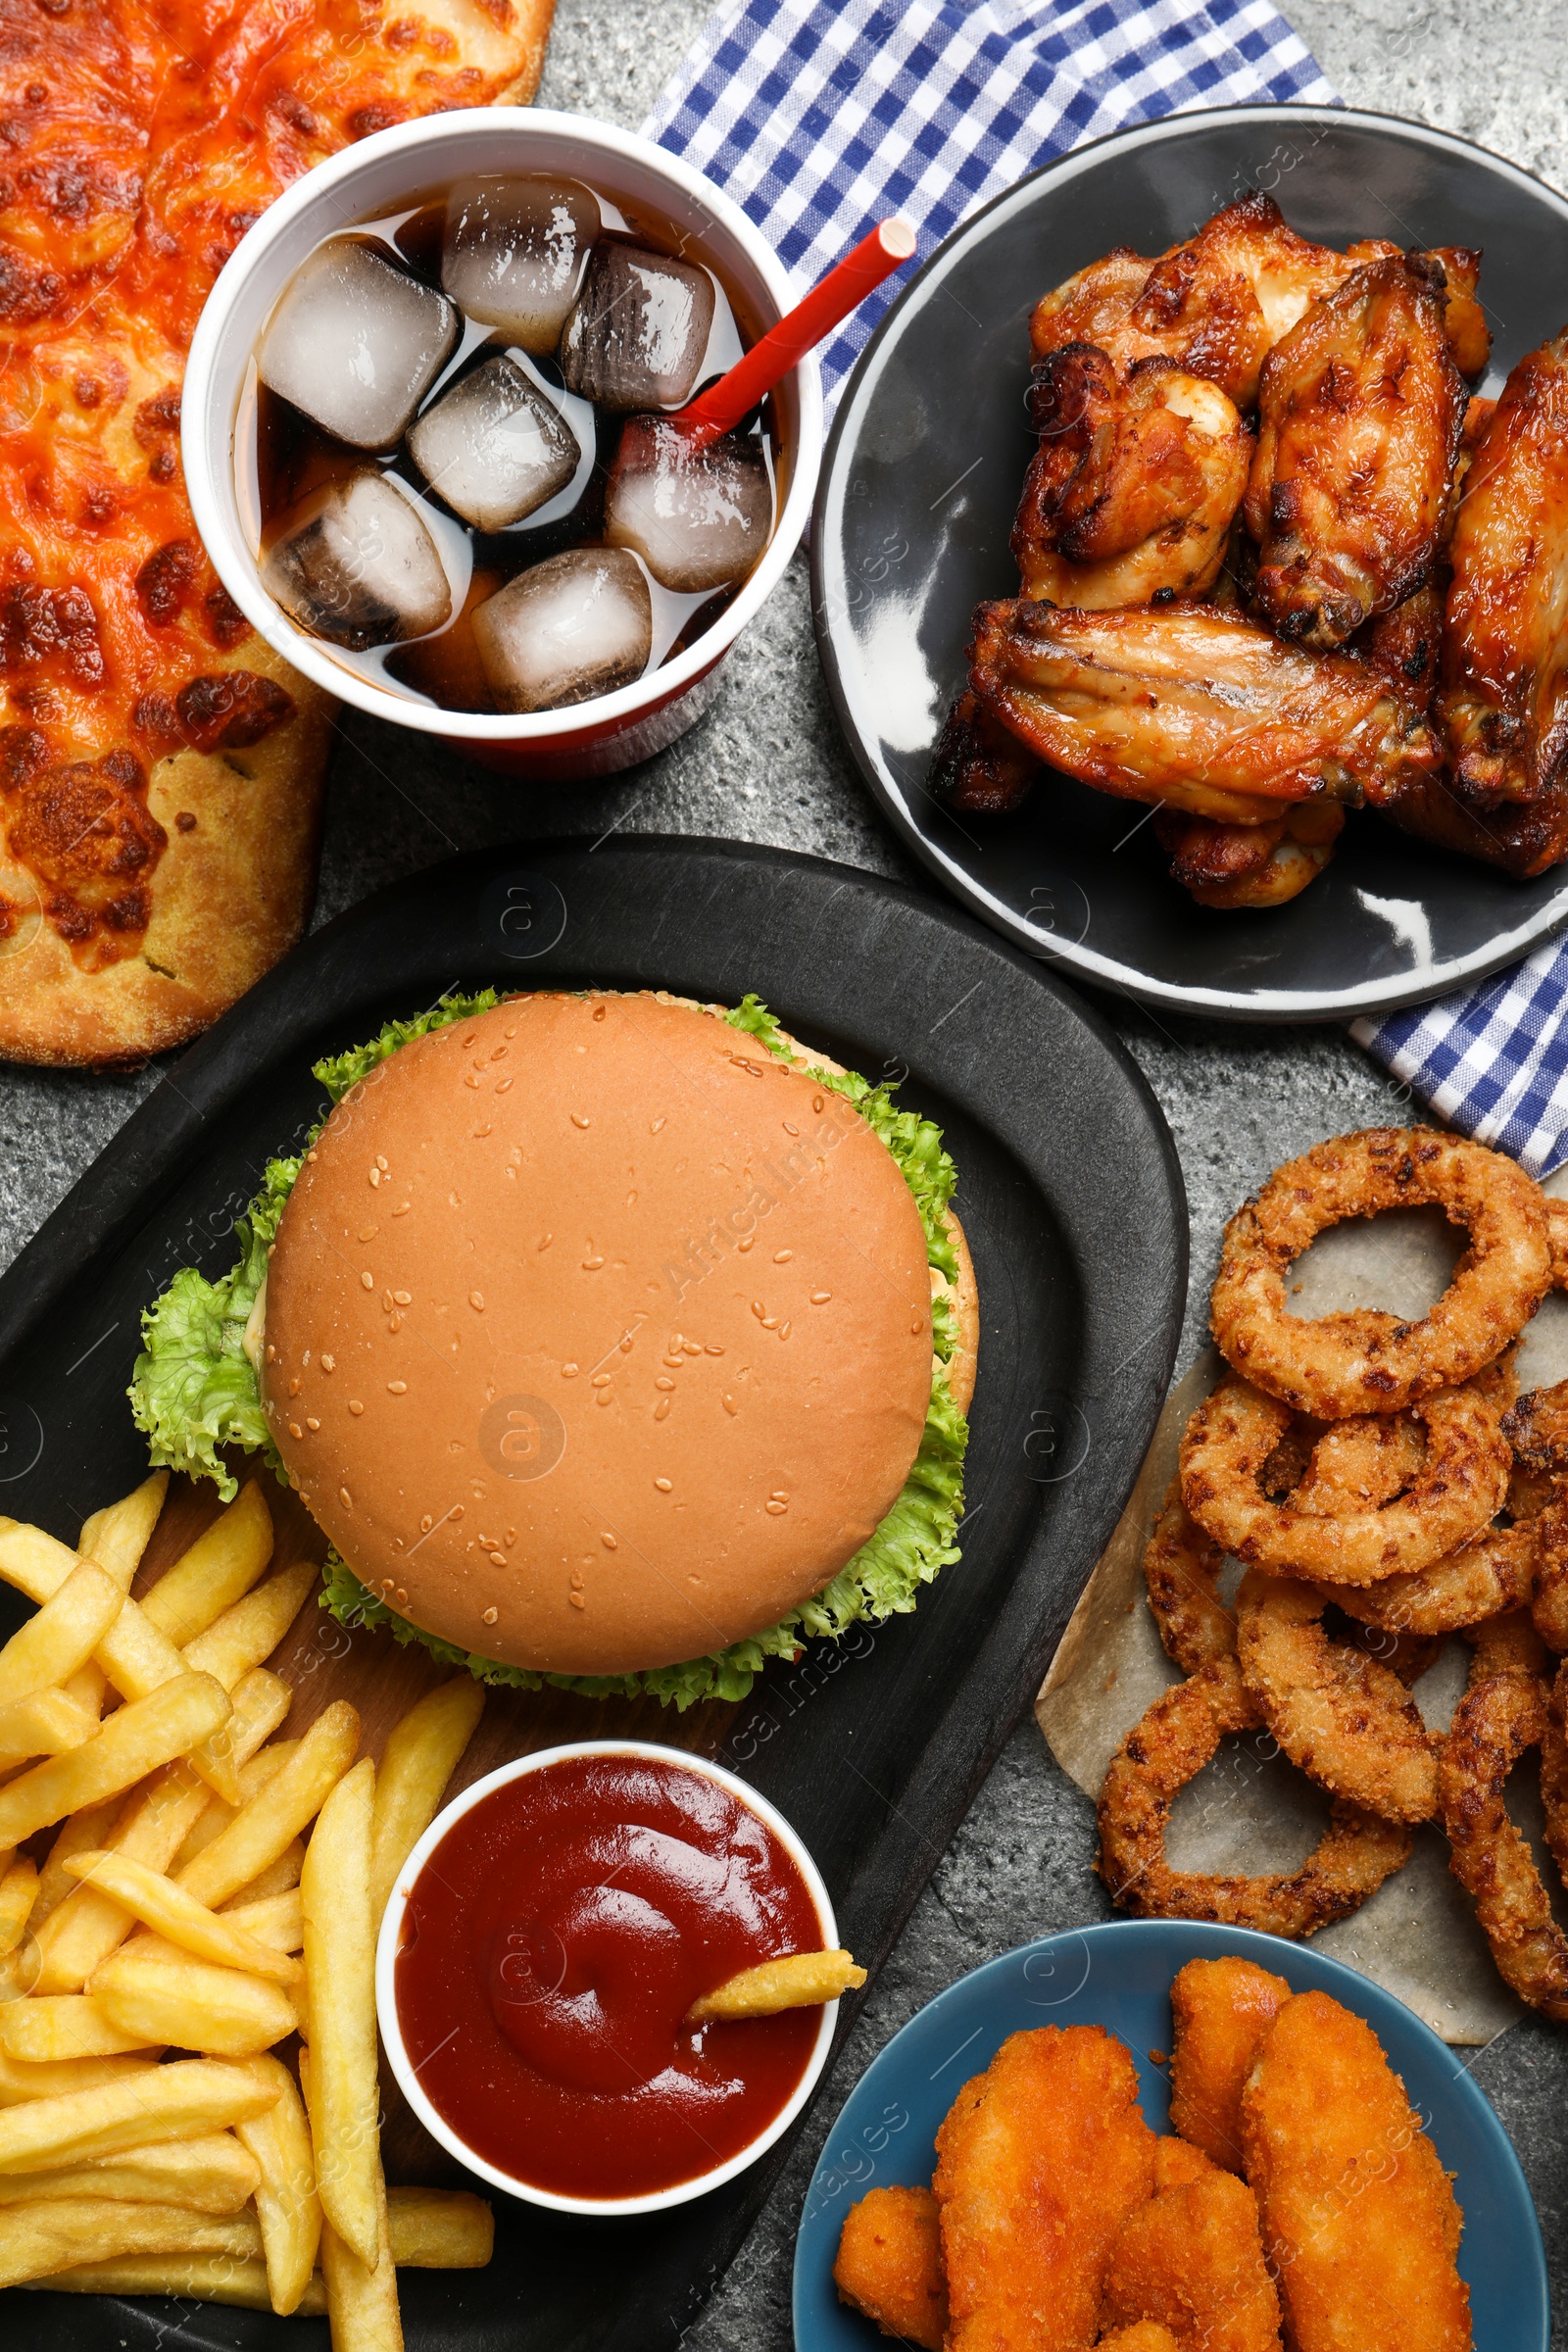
(552, 1945)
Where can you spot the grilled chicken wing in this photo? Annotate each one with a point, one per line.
(1504, 702)
(1141, 704)
(978, 768)
(1525, 840)
(1361, 413)
(1133, 488)
(1251, 865)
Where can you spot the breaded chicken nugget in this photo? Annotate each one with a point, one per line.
(1222, 2009)
(890, 2265)
(1360, 2225)
(1039, 2163)
(1177, 2162)
(1193, 2259)
(1143, 2335)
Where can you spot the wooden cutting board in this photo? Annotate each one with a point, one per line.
(324, 1661)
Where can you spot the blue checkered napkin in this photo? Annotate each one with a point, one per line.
(821, 117)
(1491, 1061)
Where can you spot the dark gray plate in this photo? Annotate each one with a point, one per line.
(917, 497)
(1072, 1200)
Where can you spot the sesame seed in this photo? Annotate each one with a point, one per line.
(346, 1498)
(602, 1379)
(781, 1258)
(820, 1298)
(380, 1162)
(662, 1410)
(476, 1302)
(662, 1383)
(758, 1310)
(368, 1282)
(396, 1388)
(355, 1406)
(664, 1485)
(404, 1298)
(490, 1616)
(694, 1347)
(776, 1508)
(578, 1119)
(498, 1559)
(329, 1363)
(577, 1600)
(713, 1348)
(294, 1386)
(311, 1422)
(609, 1542)
(294, 1430)
(730, 1406)
(375, 1175)
(790, 1128)
(569, 1371)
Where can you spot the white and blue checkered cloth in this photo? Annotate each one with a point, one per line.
(821, 117)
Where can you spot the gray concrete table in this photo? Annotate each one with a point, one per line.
(769, 765)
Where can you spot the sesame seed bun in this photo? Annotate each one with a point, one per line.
(597, 1338)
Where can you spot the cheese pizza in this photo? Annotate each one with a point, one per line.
(161, 768)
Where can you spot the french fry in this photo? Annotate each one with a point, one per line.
(22, 2082)
(420, 1756)
(46, 1723)
(62, 1636)
(249, 1632)
(275, 1920)
(255, 1774)
(177, 1917)
(63, 2025)
(219, 1569)
(287, 2206)
(362, 2300)
(135, 1656)
(159, 1994)
(19, 1891)
(276, 1878)
(439, 2230)
(151, 1826)
(136, 2109)
(340, 1987)
(117, 1536)
(213, 2174)
(805, 1980)
(89, 1826)
(88, 1685)
(55, 2233)
(271, 1820)
(193, 2277)
(133, 1742)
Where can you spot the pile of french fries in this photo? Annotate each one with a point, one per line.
(210, 1889)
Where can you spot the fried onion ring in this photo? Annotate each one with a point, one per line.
(1496, 1572)
(1343, 1719)
(1461, 1486)
(1361, 1463)
(1555, 1773)
(1370, 1361)
(1536, 1427)
(1168, 1747)
(1181, 1568)
(1503, 1713)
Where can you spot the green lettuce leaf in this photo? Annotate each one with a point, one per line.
(195, 1390)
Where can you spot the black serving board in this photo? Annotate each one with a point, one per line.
(1072, 1200)
(919, 487)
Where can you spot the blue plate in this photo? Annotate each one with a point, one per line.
(1119, 1976)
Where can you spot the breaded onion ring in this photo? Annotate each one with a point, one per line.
(1503, 1713)
(1181, 1568)
(1461, 1486)
(1496, 1572)
(1360, 1463)
(1555, 1773)
(1369, 1361)
(1549, 1604)
(1343, 1719)
(1175, 1739)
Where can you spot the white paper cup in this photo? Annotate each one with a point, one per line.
(391, 1936)
(395, 168)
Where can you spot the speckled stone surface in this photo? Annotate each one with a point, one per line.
(767, 765)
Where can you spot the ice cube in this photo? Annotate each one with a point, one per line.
(576, 626)
(514, 253)
(699, 514)
(355, 564)
(357, 343)
(637, 336)
(494, 446)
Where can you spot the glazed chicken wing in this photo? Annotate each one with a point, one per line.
(1362, 412)
(1133, 488)
(1238, 866)
(978, 768)
(1524, 838)
(1144, 704)
(1504, 701)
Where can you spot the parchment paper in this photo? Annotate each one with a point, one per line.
(1249, 1812)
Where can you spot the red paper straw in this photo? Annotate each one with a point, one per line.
(846, 285)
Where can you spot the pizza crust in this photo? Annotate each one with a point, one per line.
(229, 895)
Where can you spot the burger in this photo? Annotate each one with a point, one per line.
(613, 1341)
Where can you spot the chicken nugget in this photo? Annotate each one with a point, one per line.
(1360, 2222)
(1039, 2163)
(1177, 2162)
(1143, 2335)
(890, 2265)
(1222, 2009)
(1192, 2259)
